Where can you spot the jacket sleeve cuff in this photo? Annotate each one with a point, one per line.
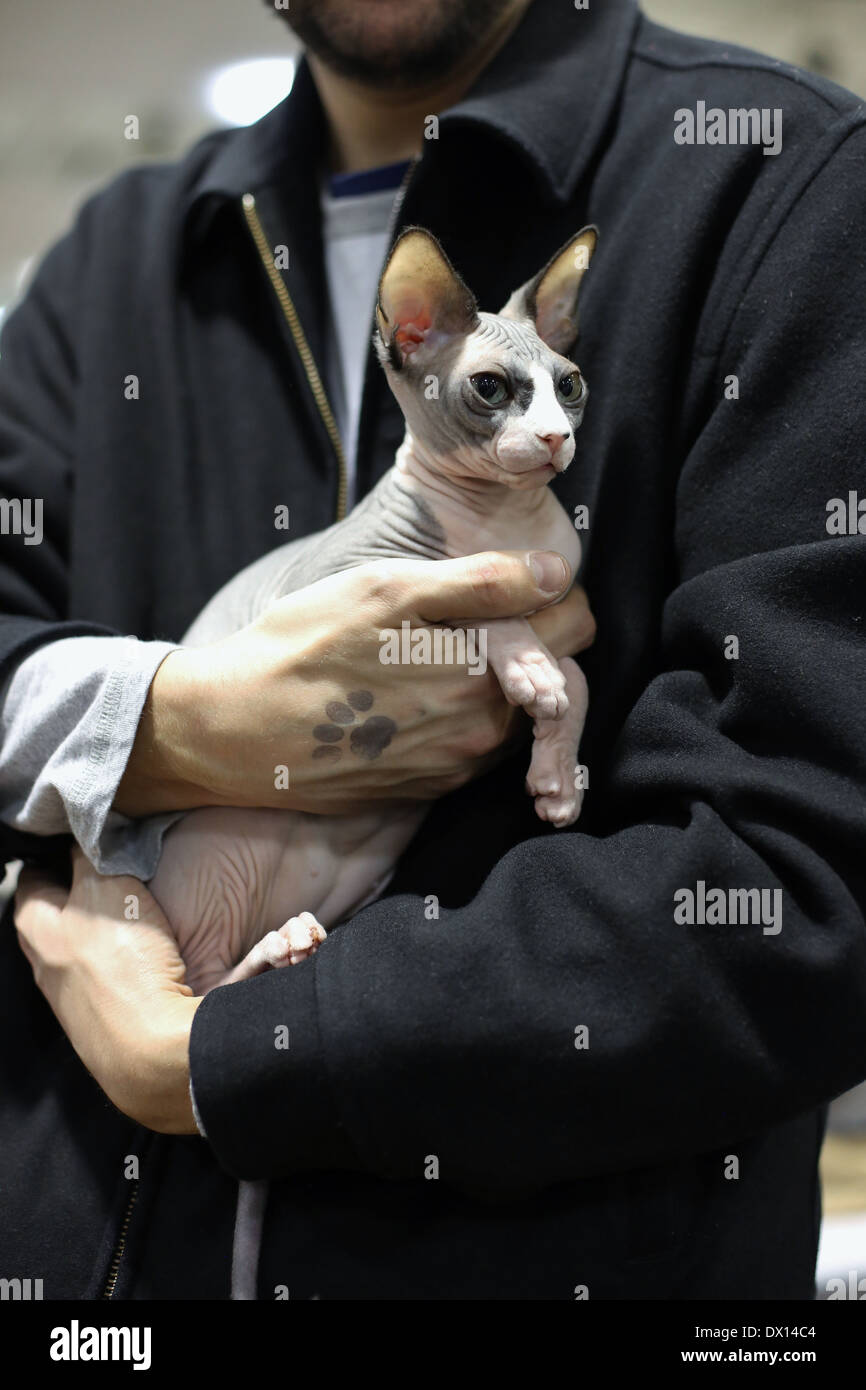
(69, 716)
(262, 1092)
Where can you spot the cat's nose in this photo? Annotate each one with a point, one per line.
(554, 442)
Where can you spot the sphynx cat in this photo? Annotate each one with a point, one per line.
(491, 405)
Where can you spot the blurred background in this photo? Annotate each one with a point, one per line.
(72, 74)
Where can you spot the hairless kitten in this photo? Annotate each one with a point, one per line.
(491, 407)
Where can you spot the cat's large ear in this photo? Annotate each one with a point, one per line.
(549, 299)
(422, 300)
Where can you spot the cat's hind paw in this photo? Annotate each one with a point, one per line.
(303, 935)
(296, 940)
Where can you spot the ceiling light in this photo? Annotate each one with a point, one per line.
(243, 92)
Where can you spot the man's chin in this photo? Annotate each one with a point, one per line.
(393, 43)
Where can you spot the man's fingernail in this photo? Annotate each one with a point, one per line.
(549, 569)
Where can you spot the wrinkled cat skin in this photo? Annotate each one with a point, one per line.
(491, 405)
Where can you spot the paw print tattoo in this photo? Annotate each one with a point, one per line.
(366, 740)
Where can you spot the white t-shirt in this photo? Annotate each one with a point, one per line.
(356, 224)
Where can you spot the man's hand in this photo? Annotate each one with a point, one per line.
(303, 688)
(117, 988)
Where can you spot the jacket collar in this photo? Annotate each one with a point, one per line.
(551, 88)
(549, 92)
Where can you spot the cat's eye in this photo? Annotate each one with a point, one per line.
(569, 387)
(490, 388)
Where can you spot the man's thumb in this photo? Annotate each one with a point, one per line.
(493, 584)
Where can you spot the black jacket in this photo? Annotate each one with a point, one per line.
(558, 1166)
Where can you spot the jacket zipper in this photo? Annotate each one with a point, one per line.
(117, 1257)
(254, 222)
(266, 254)
(400, 196)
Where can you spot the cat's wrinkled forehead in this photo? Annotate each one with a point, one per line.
(509, 338)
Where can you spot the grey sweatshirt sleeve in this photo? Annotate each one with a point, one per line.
(68, 718)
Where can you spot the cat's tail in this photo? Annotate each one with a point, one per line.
(249, 1223)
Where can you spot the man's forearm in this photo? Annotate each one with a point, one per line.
(117, 989)
(161, 772)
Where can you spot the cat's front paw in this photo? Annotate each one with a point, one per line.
(532, 680)
(557, 808)
(551, 778)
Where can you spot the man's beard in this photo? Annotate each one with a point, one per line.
(394, 43)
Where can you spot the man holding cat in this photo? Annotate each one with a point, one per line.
(578, 1065)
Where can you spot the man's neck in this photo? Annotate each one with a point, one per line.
(370, 126)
